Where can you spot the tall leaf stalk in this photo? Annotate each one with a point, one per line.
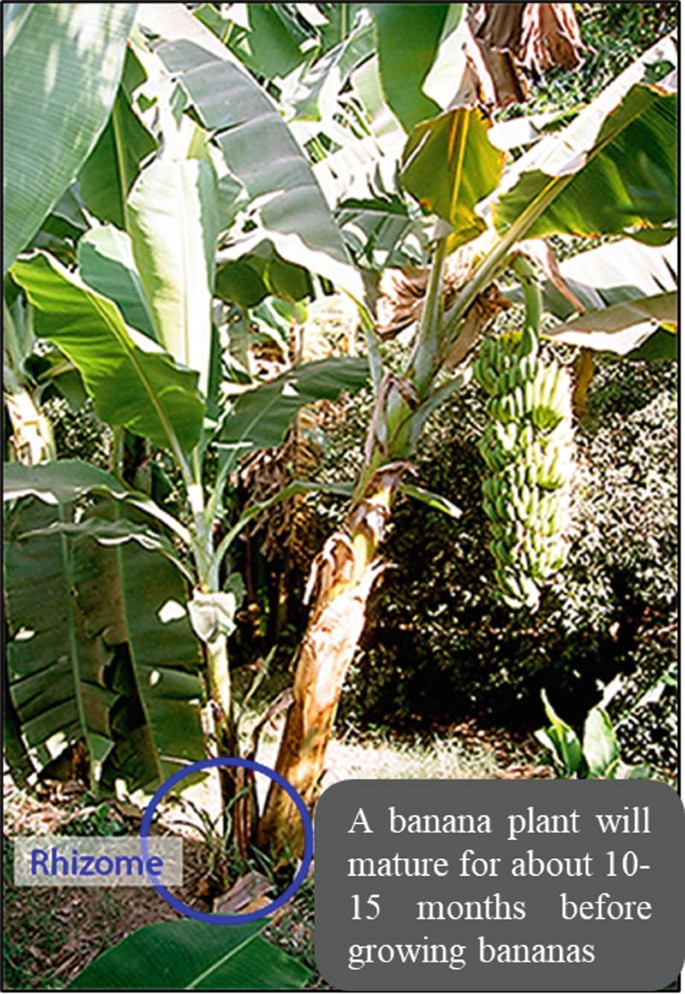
(344, 573)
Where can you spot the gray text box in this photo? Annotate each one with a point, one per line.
(497, 886)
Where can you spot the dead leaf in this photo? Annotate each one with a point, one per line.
(247, 894)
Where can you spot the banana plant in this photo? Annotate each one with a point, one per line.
(186, 183)
(596, 757)
(131, 660)
(580, 180)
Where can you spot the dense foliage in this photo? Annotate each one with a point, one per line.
(442, 647)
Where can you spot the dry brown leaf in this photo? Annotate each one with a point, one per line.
(550, 37)
(248, 893)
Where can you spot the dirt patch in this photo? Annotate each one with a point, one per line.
(52, 933)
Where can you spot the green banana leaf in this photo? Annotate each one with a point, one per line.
(612, 169)
(314, 95)
(133, 595)
(61, 70)
(55, 670)
(189, 955)
(172, 219)
(615, 273)
(449, 165)
(435, 501)
(600, 746)
(267, 39)
(133, 383)
(14, 748)
(59, 482)
(106, 264)
(408, 38)
(248, 279)
(288, 205)
(109, 171)
(562, 742)
(260, 417)
(100, 647)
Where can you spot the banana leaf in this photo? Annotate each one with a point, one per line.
(612, 169)
(288, 205)
(99, 648)
(408, 38)
(57, 673)
(132, 381)
(449, 165)
(110, 170)
(260, 417)
(172, 220)
(189, 955)
(628, 293)
(106, 264)
(61, 70)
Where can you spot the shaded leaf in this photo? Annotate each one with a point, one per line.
(109, 533)
(56, 670)
(408, 37)
(61, 70)
(133, 595)
(189, 955)
(59, 482)
(268, 41)
(113, 658)
(132, 382)
(249, 279)
(108, 173)
(65, 480)
(661, 345)
(106, 264)
(260, 417)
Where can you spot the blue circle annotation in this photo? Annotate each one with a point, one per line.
(297, 880)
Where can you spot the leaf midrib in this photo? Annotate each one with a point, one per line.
(224, 959)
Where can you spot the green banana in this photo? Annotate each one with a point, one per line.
(528, 449)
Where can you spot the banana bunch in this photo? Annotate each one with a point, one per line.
(528, 448)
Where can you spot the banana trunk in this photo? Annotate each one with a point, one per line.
(342, 577)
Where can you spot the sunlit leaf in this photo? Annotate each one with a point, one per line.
(172, 219)
(614, 167)
(258, 146)
(61, 70)
(132, 382)
(107, 265)
(449, 165)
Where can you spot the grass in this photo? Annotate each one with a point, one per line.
(378, 756)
